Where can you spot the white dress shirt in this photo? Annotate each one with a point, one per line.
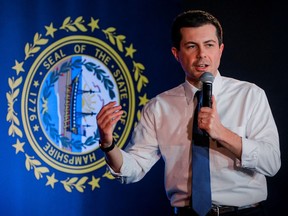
(165, 129)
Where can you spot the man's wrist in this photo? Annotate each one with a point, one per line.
(106, 149)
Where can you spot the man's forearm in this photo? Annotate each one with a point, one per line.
(114, 159)
(231, 141)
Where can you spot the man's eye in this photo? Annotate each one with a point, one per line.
(192, 46)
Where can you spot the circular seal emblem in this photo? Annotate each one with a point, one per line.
(59, 88)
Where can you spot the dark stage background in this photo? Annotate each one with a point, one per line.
(255, 38)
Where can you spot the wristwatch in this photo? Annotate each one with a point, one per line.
(107, 149)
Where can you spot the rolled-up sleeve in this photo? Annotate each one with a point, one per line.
(260, 147)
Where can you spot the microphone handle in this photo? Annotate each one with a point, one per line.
(207, 99)
(207, 94)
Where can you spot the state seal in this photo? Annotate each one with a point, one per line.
(59, 88)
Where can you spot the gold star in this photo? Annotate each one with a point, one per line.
(36, 128)
(19, 146)
(130, 51)
(93, 24)
(36, 83)
(18, 67)
(94, 183)
(50, 30)
(143, 100)
(51, 180)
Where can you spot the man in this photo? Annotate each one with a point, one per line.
(244, 142)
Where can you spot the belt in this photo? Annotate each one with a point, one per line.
(215, 210)
(218, 210)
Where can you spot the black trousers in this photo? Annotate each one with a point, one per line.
(253, 211)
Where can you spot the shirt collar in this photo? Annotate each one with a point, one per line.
(217, 84)
(191, 90)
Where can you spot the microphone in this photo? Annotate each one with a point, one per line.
(207, 79)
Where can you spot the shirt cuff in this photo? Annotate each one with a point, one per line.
(249, 156)
(121, 175)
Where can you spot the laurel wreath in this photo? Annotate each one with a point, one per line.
(32, 163)
(12, 116)
(70, 183)
(31, 49)
(69, 25)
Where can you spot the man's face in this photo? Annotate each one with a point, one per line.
(199, 52)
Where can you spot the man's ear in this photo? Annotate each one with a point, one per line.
(175, 53)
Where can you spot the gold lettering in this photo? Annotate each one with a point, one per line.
(117, 72)
(68, 159)
(33, 101)
(123, 117)
(119, 78)
(78, 161)
(85, 158)
(71, 160)
(79, 48)
(46, 65)
(115, 136)
(92, 157)
(121, 84)
(52, 59)
(102, 56)
(47, 146)
(51, 152)
(59, 156)
(123, 96)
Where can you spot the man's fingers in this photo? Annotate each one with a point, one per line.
(213, 102)
(106, 109)
(109, 115)
(116, 117)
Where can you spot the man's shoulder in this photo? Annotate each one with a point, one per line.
(175, 91)
(235, 88)
(167, 96)
(233, 83)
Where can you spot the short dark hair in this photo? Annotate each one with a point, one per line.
(194, 18)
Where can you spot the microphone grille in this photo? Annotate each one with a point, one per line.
(207, 77)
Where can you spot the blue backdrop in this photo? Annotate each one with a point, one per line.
(137, 34)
